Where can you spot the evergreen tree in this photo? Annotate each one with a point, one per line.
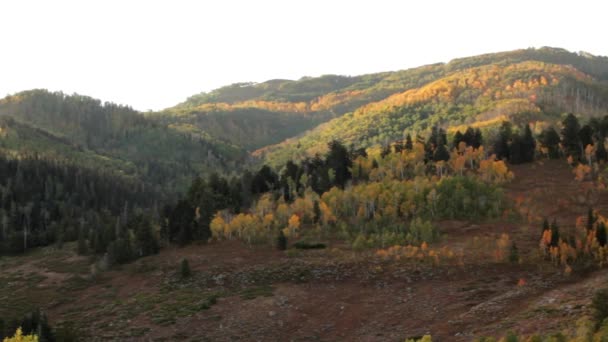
(549, 138)
(600, 150)
(586, 135)
(458, 138)
(528, 145)
(181, 223)
(398, 146)
(338, 159)
(120, 251)
(570, 137)
(408, 142)
(501, 145)
(590, 220)
(264, 180)
(554, 234)
(281, 241)
(472, 137)
(441, 153)
(516, 150)
(146, 242)
(600, 234)
(477, 138)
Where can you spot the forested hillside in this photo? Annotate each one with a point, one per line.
(252, 115)
(81, 129)
(482, 96)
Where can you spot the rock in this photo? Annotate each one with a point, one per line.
(271, 313)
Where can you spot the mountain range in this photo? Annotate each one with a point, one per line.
(245, 124)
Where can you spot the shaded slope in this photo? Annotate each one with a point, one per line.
(124, 138)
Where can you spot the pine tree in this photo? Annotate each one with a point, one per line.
(516, 150)
(458, 137)
(528, 145)
(281, 241)
(554, 234)
(441, 153)
(147, 244)
(549, 138)
(338, 159)
(590, 220)
(501, 145)
(570, 137)
(477, 138)
(600, 234)
(585, 135)
(408, 142)
(600, 151)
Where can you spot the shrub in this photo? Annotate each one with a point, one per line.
(184, 269)
(281, 241)
(309, 245)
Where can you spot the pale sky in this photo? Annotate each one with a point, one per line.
(154, 54)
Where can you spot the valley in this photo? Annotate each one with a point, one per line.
(460, 201)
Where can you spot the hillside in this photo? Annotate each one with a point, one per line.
(456, 200)
(85, 131)
(480, 96)
(252, 115)
(244, 292)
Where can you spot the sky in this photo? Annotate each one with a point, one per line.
(154, 54)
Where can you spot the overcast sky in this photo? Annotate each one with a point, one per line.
(154, 54)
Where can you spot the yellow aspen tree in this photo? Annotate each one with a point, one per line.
(19, 337)
(293, 226)
(217, 226)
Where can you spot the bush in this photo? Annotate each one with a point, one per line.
(422, 231)
(184, 269)
(309, 245)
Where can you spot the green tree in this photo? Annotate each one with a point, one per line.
(570, 136)
(501, 145)
(549, 138)
(528, 145)
(339, 160)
